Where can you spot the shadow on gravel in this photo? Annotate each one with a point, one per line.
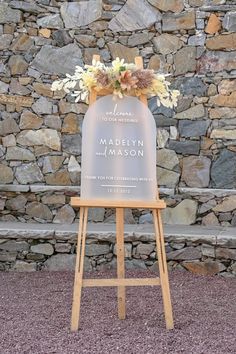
(35, 316)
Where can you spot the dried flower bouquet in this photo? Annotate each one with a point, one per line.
(120, 78)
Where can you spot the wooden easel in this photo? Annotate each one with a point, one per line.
(120, 281)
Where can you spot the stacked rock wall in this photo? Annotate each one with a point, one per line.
(206, 251)
(40, 131)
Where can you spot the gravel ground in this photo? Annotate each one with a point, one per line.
(35, 316)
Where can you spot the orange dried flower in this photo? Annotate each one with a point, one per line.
(127, 81)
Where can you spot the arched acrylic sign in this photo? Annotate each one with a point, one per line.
(118, 151)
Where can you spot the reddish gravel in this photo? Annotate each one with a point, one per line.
(35, 317)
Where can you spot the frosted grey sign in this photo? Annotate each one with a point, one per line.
(118, 151)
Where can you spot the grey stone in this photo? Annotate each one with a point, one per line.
(225, 162)
(167, 43)
(183, 214)
(96, 214)
(22, 43)
(167, 158)
(198, 39)
(73, 165)
(185, 60)
(72, 144)
(17, 203)
(54, 199)
(39, 210)
(229, 21)
(47, 137)
(135, 264)
(194, 112)
(146, 219)
(162, 110)
(52, 163)
(144, 248)
(228, 204)
(190, 86)
(208, 250)
(59, 178)
(225, 216)
(128, 216)
(162, 137)
(14, 246)
(193, 128)
(17, 153)
(8, 256)
(226, 134)
(61, 37)
(42, 106)
(138, 38)
(226, 253)
(17, 64)
(8, 15)
(8, 126)
(196, 171)
(65, 215)
(53, 122)
(187, 254)
(51, 60)
(3, 87)
(101, 42)
(134, 16)
(120, 51)
(9, 140)
(21, 266)
(175, 22)
(77, 14)
(6, 174)
(51, 21)
(43, 248)
(95, 249)
(170, 5)
(5, 41)
(185, 147)
(167, 178)
(210, 220)
(207, 206)
(26, 6)
(28, 173)
(60, 262)
(17, 88)
(62, 247)
(86, 40)
(216, 61)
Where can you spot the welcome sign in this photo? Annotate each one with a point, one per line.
(118, 151)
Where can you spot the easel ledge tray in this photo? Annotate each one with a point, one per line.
(137, 204)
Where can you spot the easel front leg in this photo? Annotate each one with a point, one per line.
(79, 266)
(163, 268)
(120, 260)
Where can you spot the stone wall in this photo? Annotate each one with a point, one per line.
(50, 247)
(40, 131)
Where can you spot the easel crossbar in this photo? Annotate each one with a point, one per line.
(117, 282)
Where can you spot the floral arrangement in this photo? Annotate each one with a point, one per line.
(120, 78)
